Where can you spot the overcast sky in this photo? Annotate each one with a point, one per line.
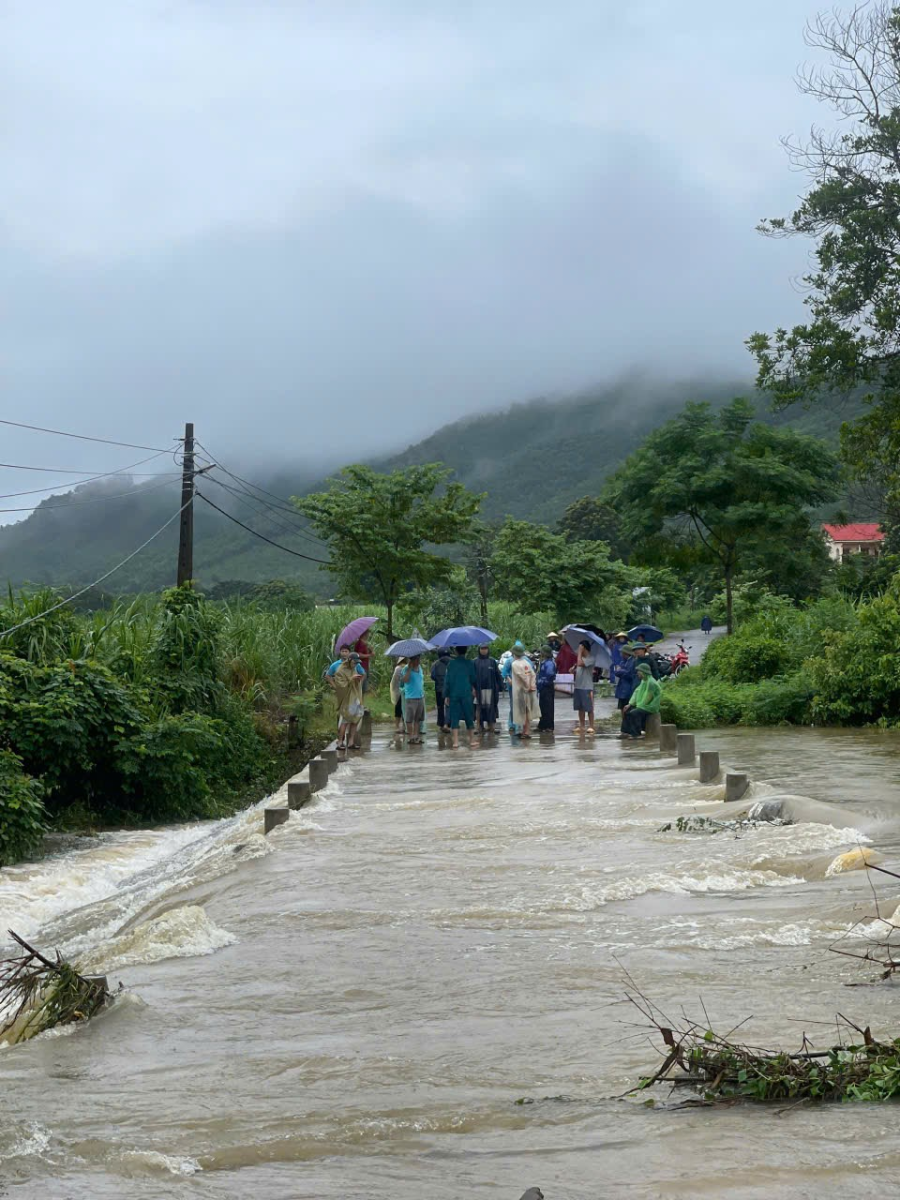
(329, 226)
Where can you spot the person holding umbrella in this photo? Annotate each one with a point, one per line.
(347, 684)
(412, 681)
(488, 686)
(583, 695)
(459, 692)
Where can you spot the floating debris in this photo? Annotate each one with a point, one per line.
(39, 994)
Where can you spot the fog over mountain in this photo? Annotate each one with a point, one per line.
(321, 231)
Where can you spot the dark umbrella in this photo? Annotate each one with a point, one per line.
(650, 632)
(408, 648)
(462, 635)
(599, 648)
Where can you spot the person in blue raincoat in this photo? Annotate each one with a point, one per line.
(626, 677)
(614, 645)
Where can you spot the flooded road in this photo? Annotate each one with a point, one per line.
(353, 1006)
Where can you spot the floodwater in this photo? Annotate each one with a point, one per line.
(353, 1006)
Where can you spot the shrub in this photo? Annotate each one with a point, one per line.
(21, 810)
(855, 678)
(66, 721)
(697, 703)
(170, 768)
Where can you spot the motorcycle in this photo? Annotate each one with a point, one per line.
(681, 659)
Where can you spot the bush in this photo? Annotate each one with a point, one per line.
(692, 702)
(21, 810)
(180, 767)
(856, 678)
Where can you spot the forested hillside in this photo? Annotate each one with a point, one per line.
(531, 460)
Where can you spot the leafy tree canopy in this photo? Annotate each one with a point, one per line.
(736, 483)
(378, 527)
(590, 520)
(542, 571)
(852, 338)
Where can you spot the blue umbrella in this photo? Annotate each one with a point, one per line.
(463, 635)
(599, 648)
(650, 632)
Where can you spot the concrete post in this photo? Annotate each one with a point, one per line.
(274, 816)
(299, 793)
(330, 759)
(735, 786)
(687, 753)
(366, 725)
(652, 728)
(709, 766)
(318, 774)
(667, 736)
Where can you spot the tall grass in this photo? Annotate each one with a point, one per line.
(265, 654)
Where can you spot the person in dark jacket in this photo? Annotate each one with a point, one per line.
(488, 686)
(438, 674)
(642, 654)
(706, 625)
(546, 680)
(459, 691)
(626, 677)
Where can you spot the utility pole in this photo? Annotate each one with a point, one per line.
(186, 525)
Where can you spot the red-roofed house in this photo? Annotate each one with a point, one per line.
(860, 538)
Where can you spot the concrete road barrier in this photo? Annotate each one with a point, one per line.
(735, 786)
(709, 766)
(687, 751)
(329, 757)
(273, 817)
(668, 735)
(318, 774)
(299, 793)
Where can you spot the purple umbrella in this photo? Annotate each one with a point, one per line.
(351, 633)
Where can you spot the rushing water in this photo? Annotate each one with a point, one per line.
(352, 1007)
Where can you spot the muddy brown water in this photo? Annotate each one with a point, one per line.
(353, 1006)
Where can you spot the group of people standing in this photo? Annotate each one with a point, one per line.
(468, 690)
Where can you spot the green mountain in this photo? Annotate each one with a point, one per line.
(531, 460)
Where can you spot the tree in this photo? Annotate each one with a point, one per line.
(542, 571)
(377, 527)
(737, 483)
(851, 343)
(590, 520)
(479, 564)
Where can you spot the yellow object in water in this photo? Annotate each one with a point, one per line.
(853, 860)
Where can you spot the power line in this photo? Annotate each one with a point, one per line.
(129, 470)
(39, 616)
(59, 470)
(281, 523)
(141, 491)
(321, 561)
(82, 437)
(283, 505)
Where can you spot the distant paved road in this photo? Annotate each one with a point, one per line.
(695, 639)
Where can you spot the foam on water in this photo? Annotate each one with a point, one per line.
(178, 933)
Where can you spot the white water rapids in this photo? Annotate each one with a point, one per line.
(352, 1006)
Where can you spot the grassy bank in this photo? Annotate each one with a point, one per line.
(832, 662)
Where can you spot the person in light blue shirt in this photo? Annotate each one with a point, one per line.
(412, 680)
(345, 652)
